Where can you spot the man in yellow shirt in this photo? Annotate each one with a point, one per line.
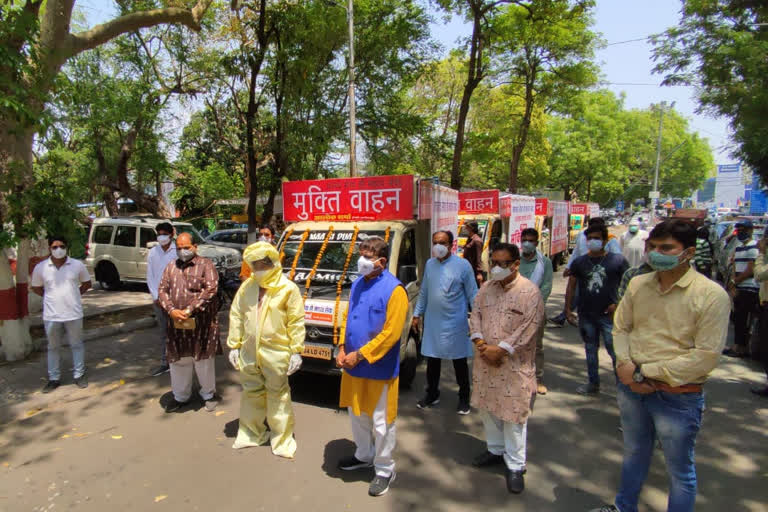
(266, 338)
(669, 330)
(761, 275)
(369, 353)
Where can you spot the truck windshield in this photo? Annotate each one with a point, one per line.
(331, 265)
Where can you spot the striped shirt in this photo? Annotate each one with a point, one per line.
(747, 252)
(703, 258)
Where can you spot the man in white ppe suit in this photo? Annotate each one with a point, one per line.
(266, 338)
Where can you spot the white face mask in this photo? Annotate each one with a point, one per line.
(185, 254)
(439, 251)
(59, 253)
(263, 238)
(499, 274)
(258, 275)
(365, 266)
(164, 239)
(594, 245)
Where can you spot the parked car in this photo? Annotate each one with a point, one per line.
(117, 249)
(233, 238)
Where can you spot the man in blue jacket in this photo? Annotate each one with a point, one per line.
(369, 353)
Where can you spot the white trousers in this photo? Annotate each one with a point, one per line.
(182, 375)
(375, 440)
(506, 438)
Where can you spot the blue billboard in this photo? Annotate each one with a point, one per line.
(758, 202)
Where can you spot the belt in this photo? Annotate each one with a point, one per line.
(685, 388)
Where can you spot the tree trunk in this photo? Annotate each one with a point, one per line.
(522, 133)
(110, 203)
(251, 164)
(474, 77)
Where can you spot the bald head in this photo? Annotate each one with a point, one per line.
(184, 241)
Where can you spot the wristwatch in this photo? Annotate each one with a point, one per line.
(638, 375)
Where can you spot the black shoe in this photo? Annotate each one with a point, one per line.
(760, 391)
(730, 352)
(515, 481)
(428, 402)
(163, 368)
(380, 485)
(558, 320)
(352, 463)
(463, 408)
(588, 389)
(605, 508)
(82, 381)
(51, 385)
(173, 405)
(487, 459)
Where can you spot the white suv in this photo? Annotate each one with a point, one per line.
(117, 249)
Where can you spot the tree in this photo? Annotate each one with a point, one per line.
(544, 48)
(494, 120)
(587, 147)
(601, 152)
(35, 42)
(720, 48)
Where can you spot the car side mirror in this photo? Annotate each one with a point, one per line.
(407, 274)
(151, 244)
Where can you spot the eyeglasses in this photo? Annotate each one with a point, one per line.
(502, 264)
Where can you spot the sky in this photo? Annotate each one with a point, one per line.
(625, 67)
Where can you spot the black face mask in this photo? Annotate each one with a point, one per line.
(743, 235)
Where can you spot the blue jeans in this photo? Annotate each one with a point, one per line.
(56, 331)
(674, 419)
(590, 327)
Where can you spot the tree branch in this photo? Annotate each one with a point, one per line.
(100, 34)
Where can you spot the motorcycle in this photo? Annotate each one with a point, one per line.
(228, 286)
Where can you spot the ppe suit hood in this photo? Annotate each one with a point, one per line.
(259, 251)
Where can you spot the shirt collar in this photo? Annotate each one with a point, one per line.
(50, 261)
(684, 281)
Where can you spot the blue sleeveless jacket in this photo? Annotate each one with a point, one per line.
(365, 319)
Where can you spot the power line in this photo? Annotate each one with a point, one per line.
(629, 41)
(644, 84)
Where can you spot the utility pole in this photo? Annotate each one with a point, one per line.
(351, 93)
(655, 194)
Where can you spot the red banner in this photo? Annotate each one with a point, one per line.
(505, 210)
(579, 208)
(479, 201)
(349, 199)
(542, 207)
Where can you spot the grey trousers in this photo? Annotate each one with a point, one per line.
(162, 329)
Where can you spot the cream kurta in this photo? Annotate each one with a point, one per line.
(512, 314)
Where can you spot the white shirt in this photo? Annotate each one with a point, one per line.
(157, 260)
(61, 286)
(633, 247)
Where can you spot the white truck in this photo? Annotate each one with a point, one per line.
(319, 250)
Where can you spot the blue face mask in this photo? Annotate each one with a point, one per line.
(594, 245)
(662, 262)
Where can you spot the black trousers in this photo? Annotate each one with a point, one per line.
(461, 368)
(745, 305)
(764, 337)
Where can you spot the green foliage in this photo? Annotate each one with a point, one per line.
(602, 152)
(720, 46)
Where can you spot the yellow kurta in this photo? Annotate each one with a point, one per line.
(362, 394)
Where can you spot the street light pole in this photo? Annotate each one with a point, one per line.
(655, 198)
(351, 93)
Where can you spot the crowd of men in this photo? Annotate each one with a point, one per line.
(647, 294)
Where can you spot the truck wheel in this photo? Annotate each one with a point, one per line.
(108, 276)
(409, 363)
